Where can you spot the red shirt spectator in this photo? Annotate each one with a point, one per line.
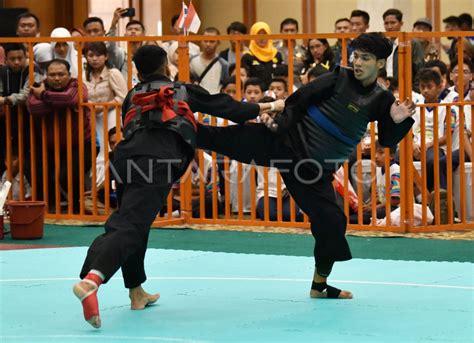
(59, 92)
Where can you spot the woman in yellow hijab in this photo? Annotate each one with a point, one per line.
(262, 57)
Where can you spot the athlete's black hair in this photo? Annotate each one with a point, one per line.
(374, 43)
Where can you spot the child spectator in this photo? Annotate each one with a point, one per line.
(431, 87)
(381, 194)
(15, 172)
(229, 87)
(273, 192)
(253, 90)
(244, 73)
(279, 88)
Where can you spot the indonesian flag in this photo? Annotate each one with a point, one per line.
(191, 20)
(182, 15)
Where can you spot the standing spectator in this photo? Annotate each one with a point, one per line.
(59, 94)
(104, 84)
(429, 49)
(235, 28)
(208, 69)
(359, 21)
(77, 32)
(43, 54)
(14, 90)
(289, 26)
(27, 25)
(194, 49)
(64, 50)
(451, 23)
(135, 28)
(465, 24)
(342, 25)
(262, 57)
(94, 27)
(393, 22)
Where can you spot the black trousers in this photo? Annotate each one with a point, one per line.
(311, 189)
(143, 184)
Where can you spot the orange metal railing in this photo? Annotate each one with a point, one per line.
(219, 200)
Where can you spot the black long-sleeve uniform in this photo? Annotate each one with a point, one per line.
(308, 147)
(146, 166)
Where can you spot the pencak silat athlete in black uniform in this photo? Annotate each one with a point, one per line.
(160, 137)
(322, 123)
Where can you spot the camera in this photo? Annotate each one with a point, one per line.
(130, 12)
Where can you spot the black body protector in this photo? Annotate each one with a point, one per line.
(181, 123)
(333, 128)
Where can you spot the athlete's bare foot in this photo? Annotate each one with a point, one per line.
(86, 292)
(140, 299)
(343, 295)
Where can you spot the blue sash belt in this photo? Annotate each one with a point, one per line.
(319, 118)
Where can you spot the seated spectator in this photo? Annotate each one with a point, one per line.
(431, 87)
(244, 73)
(235, 28)
(229, 87)
(208, 69)
(381, 194)
(262, 57)
(316, 72)
(289, 26)
(278, 89)
(441, 67)
(51, 102)
(94, 27)
(464, 133)
(15, 173)
(271, 184)
(64, 50)
(100, 201)
(318, 53)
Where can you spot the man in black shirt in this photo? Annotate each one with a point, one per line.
(322, 123)
(156, 152)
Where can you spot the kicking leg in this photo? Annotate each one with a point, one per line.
(248, 143)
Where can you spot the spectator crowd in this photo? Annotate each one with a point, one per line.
(54, 99)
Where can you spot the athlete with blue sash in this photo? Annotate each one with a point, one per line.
(321, 125)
